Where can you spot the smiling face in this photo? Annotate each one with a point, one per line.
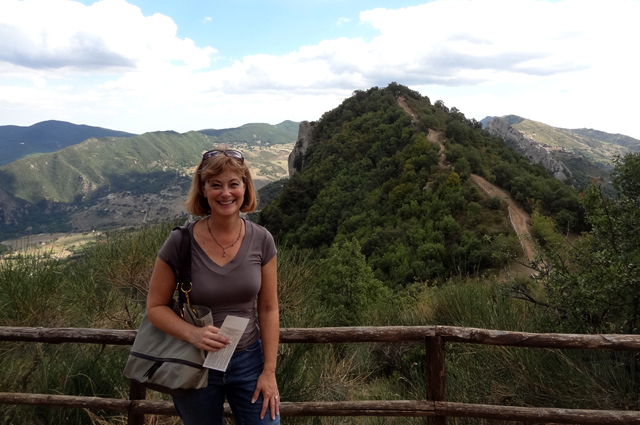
(225, 193)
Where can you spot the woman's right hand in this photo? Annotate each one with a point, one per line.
(207, 338)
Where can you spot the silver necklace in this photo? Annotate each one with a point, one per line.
(224, 249)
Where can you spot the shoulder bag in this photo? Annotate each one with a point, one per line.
(164, 363)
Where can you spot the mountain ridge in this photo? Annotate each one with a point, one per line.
(588, 153)
(371, 174)
(17, 142)
(277, 134)
(565, 137)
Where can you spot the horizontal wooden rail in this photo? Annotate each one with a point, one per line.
(62, 335)
(539, 340)
(537, 414)
(355, 334)
(349, 408)
(435, 407)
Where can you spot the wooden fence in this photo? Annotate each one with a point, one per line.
(434, 406)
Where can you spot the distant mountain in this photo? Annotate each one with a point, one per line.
(18, 142)
(486, 120)
(509, 119)
(111, 181)
(595, 145)
(256, 133)
(531, 149)
(615, 139)
(587, 153)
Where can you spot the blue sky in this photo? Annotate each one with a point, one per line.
(248, 27)
(143, 65)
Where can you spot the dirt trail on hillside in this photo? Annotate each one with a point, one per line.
(433, 136)
(438, 137)
(402, 102)
(518, 217)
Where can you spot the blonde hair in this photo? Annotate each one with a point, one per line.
(197, 203)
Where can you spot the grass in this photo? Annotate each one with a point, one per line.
(105, 287)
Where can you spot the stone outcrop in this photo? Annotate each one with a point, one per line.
(296, 157)
(526, 146)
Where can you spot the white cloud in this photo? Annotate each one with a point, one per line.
(342, 21)
(110, 35)
(554, 62)
(39, 82)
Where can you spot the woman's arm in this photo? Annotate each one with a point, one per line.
(161, 288)
(269, 318)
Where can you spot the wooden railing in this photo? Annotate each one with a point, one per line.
(435, 406)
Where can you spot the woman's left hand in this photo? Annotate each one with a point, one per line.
(271, 397)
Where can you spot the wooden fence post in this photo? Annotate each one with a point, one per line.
(136, 392)
(435, 374)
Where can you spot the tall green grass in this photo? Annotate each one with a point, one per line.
(523, 376)
(106, 288)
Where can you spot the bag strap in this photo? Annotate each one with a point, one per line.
(184, 265)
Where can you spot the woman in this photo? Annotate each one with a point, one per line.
(233, 262)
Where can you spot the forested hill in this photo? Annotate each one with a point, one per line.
(371, 174)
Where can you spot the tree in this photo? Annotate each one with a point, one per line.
(347, 286)
(596, 281)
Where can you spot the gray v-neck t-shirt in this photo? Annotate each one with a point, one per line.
(231, 289)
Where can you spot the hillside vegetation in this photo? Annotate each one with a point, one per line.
(371, 175)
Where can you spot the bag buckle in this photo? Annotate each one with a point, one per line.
(186, 294)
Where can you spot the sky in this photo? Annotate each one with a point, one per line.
(149, 65)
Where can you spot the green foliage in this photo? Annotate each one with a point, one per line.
(30, 290)
(521, 376)
(595, 281)
(105, 287)
(296, 268)
(347, 288)
(495, 203)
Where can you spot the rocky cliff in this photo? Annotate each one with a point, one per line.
(296, 157)
(526, 146)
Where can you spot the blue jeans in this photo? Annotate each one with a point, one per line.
(205, 406)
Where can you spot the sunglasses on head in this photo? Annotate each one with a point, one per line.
(231, 153)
